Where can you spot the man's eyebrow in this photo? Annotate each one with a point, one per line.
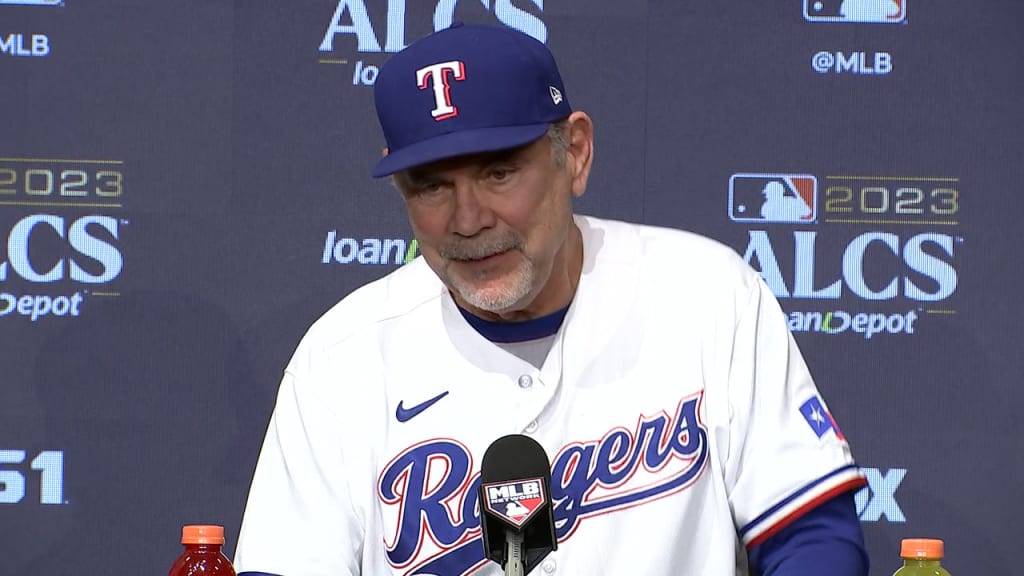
(420, 176)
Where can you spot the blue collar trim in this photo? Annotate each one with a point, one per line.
(509, 332)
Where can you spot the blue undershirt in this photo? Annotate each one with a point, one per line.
(826, 539)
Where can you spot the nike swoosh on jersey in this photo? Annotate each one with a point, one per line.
(405, 414)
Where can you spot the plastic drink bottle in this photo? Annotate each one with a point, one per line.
(922, 557)
(202, 555)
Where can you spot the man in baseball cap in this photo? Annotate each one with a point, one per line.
(467, 89)
(464, 112)
(654, 366)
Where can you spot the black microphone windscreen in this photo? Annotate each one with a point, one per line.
(514, 457)
(515, 502)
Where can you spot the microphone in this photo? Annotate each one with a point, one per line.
(516, 514)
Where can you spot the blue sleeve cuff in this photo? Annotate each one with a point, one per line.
(827, 535)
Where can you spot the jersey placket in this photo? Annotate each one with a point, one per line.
(539, 387)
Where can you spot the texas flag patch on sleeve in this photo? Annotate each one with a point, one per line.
(819, 419)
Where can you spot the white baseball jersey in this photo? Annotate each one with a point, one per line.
(680, 419)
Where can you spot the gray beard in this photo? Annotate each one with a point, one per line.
(514, 289)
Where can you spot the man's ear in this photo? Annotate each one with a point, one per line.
(383, 152)
(580, 151)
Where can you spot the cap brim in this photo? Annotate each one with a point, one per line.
(458, 144)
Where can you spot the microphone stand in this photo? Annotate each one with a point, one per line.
(514, 565)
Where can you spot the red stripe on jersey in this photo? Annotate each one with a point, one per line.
(787, 520)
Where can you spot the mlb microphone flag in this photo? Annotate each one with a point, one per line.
(515, 502)
(516, 514)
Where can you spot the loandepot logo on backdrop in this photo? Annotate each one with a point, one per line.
(381, 251)
(359, 40)
(61, 235)
(862, 255)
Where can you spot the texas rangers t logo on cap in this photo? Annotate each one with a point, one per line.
(439, 78)
(487, 88)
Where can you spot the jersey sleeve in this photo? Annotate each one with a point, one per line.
(299, 518)
(786, 452)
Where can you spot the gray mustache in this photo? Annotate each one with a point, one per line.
(477, 248)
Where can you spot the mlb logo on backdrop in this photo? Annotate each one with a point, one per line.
(783, 198)
(873, 11)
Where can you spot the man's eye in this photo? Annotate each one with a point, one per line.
(429, 188)
(499, 174)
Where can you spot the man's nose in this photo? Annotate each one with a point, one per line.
(472, 210)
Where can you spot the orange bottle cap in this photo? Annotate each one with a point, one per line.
(922, 548)
(202, 534)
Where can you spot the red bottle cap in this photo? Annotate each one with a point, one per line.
(922, 548)
(202, 534)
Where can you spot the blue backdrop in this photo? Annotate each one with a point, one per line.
(184, 188)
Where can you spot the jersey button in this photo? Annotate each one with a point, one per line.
(525, 381)
(548, 566)
(531, 427)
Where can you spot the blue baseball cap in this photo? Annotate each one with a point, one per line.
(463, 90)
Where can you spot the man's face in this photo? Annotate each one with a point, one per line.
(497, 227)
